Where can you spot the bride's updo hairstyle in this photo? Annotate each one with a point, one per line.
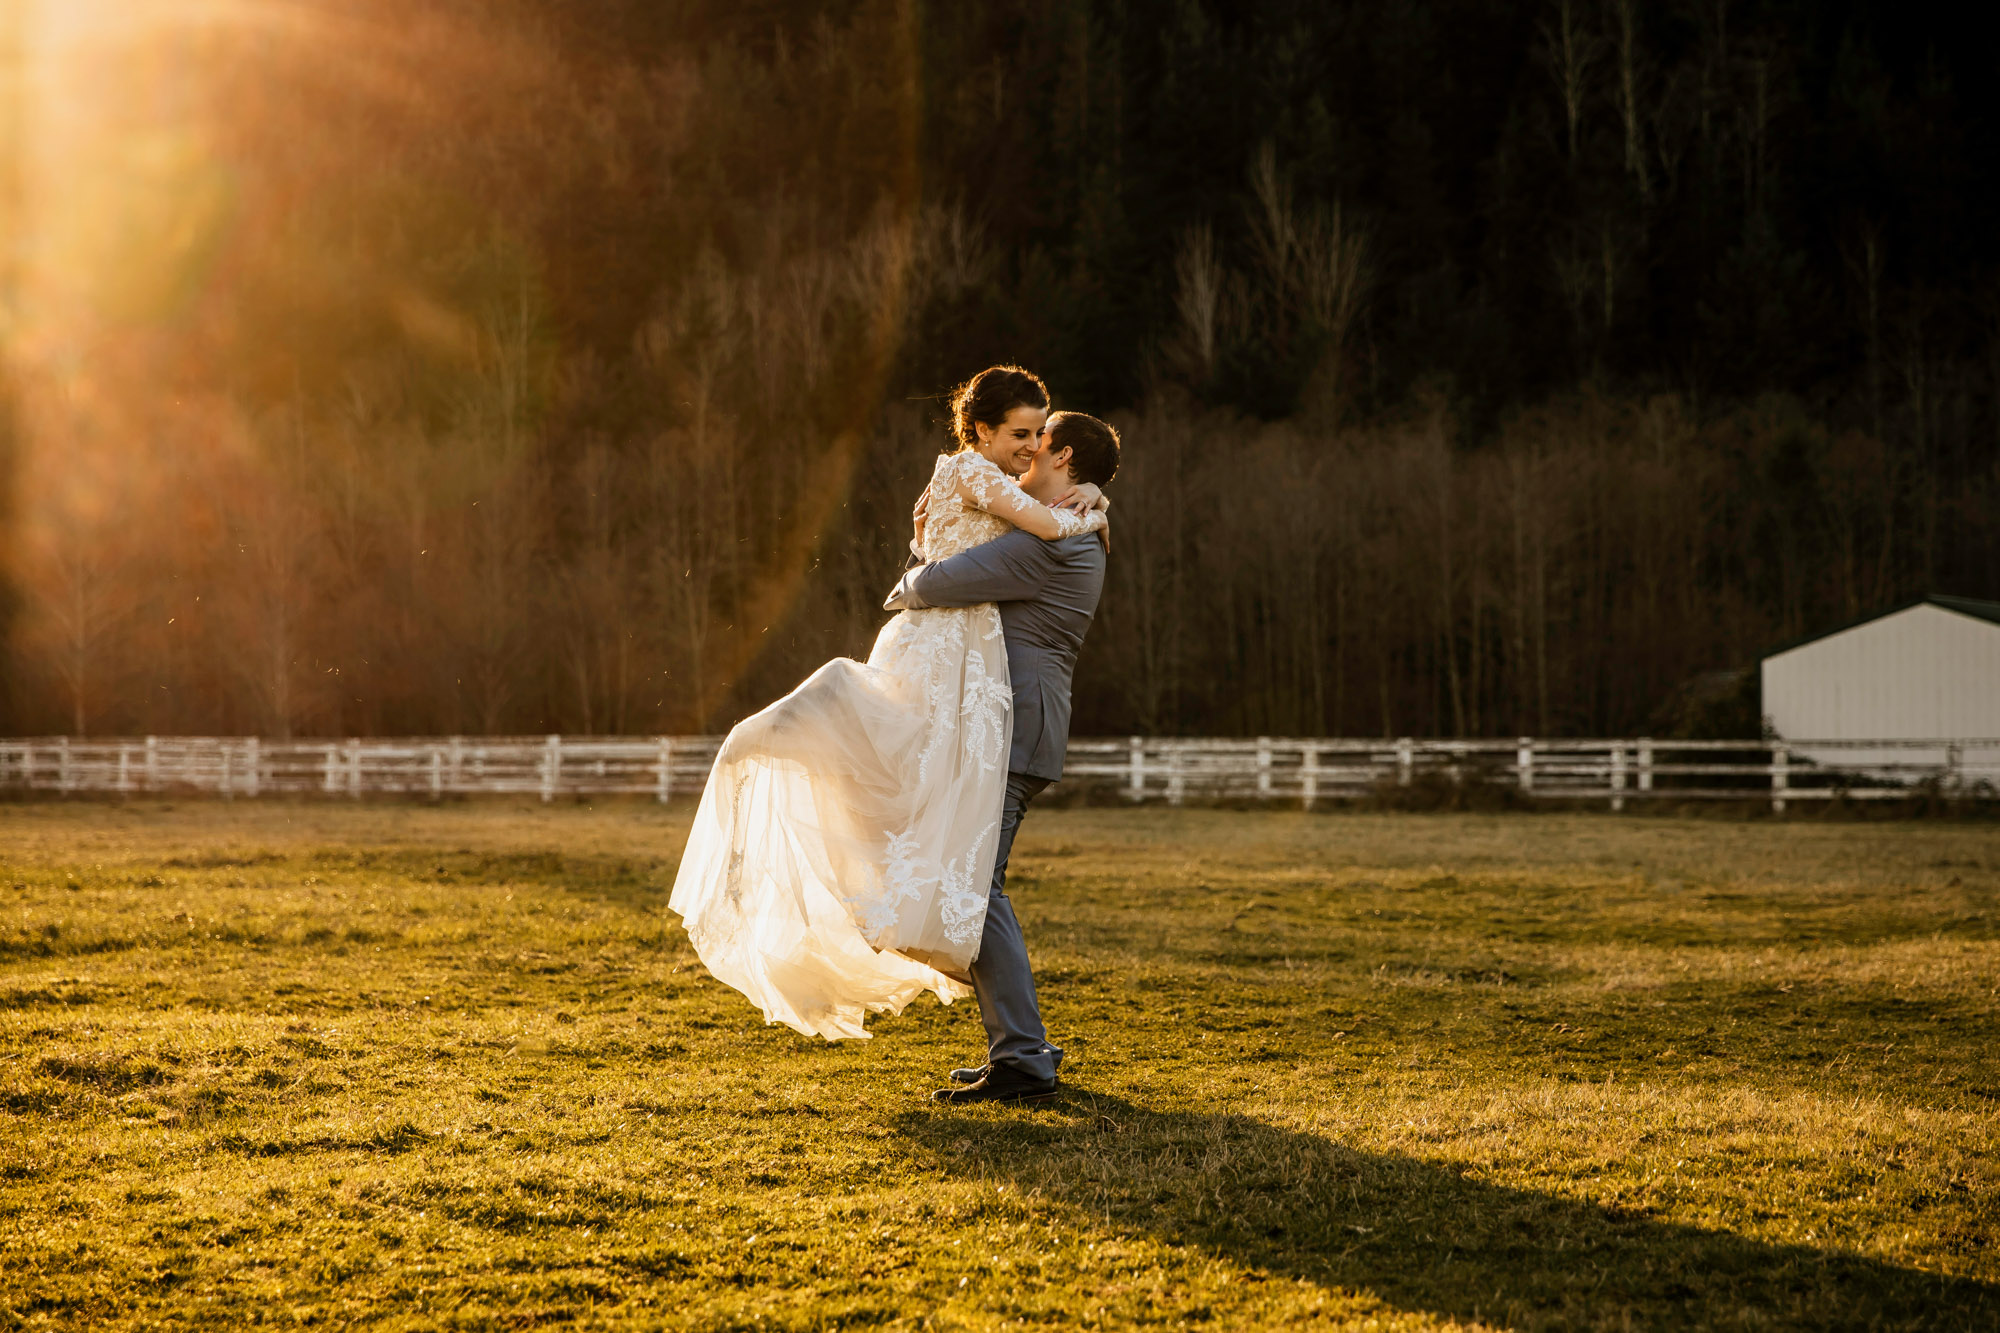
(989, 396)
(1093, 446)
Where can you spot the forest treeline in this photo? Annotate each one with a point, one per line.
(518, 366)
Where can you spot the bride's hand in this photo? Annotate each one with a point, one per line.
(919, 515)
(1081, 498)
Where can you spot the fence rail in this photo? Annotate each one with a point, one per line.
(1306, 771)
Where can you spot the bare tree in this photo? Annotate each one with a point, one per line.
(1335, 277)
(1274, 240)
(1628, 97)
(270, 596)
(1198, 299)
(74, 557)
(81, 618)
(1568, 52)
(1863, 252)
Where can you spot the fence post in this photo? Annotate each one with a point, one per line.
(1406, 759)
(332, 766)
(437, 772)
(666, 788)
(1781, 779)
(551, 768)
(354, 768)
(457, 779)
(227, 779)
(253, 763)
(1135, 789)
(1524, 765)
(1618, 775)
(124, 768)
(62, 765)
(1309, 768)
(1176, 777)
(1954, 766)
(1645, 763)
(152, 763)
(1263, 768)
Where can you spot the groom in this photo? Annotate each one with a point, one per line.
(1047, 591)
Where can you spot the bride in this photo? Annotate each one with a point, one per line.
(839, 862)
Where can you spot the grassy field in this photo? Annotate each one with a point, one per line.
(402, 1067)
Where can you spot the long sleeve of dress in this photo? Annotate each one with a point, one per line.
(982, 485)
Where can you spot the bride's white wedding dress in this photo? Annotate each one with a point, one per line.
(839, 862)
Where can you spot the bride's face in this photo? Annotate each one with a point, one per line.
(1012, 445)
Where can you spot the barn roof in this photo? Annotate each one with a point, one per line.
(1965, 606)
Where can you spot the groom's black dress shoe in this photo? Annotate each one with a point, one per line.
(969, 1075)
(1001, 1084)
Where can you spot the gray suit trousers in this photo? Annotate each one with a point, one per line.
(1000, 975)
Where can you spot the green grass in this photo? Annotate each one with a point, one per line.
(457, 1068)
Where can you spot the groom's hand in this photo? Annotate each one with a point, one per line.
(903, 597)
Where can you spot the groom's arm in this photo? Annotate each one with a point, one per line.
(1010, 568)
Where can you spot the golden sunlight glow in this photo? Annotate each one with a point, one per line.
(289, 289)
(166, 174)
(122, 194)
(122, 204)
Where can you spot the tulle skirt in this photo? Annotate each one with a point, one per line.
(840, 859)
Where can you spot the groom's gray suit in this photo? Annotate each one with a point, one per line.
(1047, 593)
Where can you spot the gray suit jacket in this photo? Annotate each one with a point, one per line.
(1047, 593)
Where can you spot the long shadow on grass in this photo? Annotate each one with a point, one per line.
(1423, 1237)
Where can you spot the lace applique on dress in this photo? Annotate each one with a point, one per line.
(907, 874)
(985, 708)
(964, 901)
(938, 645)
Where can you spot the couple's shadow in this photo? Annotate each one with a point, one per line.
(1419, 1236)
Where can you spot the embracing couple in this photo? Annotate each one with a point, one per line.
(850, 851)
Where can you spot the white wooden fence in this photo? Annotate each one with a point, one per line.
(544, 766)
(1614, 771)
(1307, 771)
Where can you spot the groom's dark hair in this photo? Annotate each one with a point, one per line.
(1093, 446)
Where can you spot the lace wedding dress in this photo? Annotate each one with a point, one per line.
(840, 859)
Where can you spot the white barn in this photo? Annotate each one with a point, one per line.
(1926, 671)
